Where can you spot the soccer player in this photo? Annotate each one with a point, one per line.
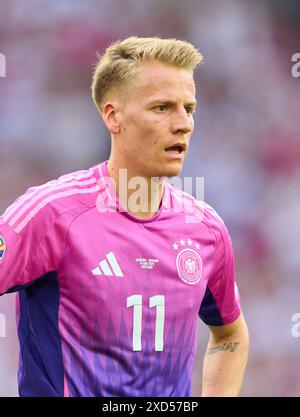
(111, 277)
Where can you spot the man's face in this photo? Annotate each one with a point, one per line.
(156, 120)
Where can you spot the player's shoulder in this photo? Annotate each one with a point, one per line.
(72, 192)
(69, 191)
(198, 211)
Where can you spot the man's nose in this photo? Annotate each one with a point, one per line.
(182, 122)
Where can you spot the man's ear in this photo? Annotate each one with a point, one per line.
(110, 117)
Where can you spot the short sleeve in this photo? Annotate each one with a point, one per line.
(30, 245)
(221, 302)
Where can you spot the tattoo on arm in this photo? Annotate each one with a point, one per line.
(231, 347)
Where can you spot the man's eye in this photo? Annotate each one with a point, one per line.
(189, 110)
(161, 108)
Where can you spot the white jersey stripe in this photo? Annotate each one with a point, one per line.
(46, 192)
(105, 268)
(166, 200)
(178, 202)
(9, 213)
(29, 193)
(114, 264)
(35, 190)
(186, 200)
(63, 194)
(182, 200)
(96, 271)
(107, 183)
(182, 195)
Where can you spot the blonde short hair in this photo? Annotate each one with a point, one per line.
(120, 61)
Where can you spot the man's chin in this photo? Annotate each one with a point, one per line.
(171, 170)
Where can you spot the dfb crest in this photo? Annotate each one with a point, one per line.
(188, 262)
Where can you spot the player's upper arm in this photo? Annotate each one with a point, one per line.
(238, 327)
(221, 303)
(32, 240)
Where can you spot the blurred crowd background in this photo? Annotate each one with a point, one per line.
(246, 143)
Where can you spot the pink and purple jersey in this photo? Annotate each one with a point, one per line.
(108, 303)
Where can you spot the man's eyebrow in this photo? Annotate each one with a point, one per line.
(170, 102)
(193, 104)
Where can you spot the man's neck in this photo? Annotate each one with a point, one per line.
(140, 195)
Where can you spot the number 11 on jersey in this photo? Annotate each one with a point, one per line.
(157, 301)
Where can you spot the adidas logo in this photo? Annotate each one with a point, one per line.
(108, 267)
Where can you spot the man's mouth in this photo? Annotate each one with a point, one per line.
(177, 148)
